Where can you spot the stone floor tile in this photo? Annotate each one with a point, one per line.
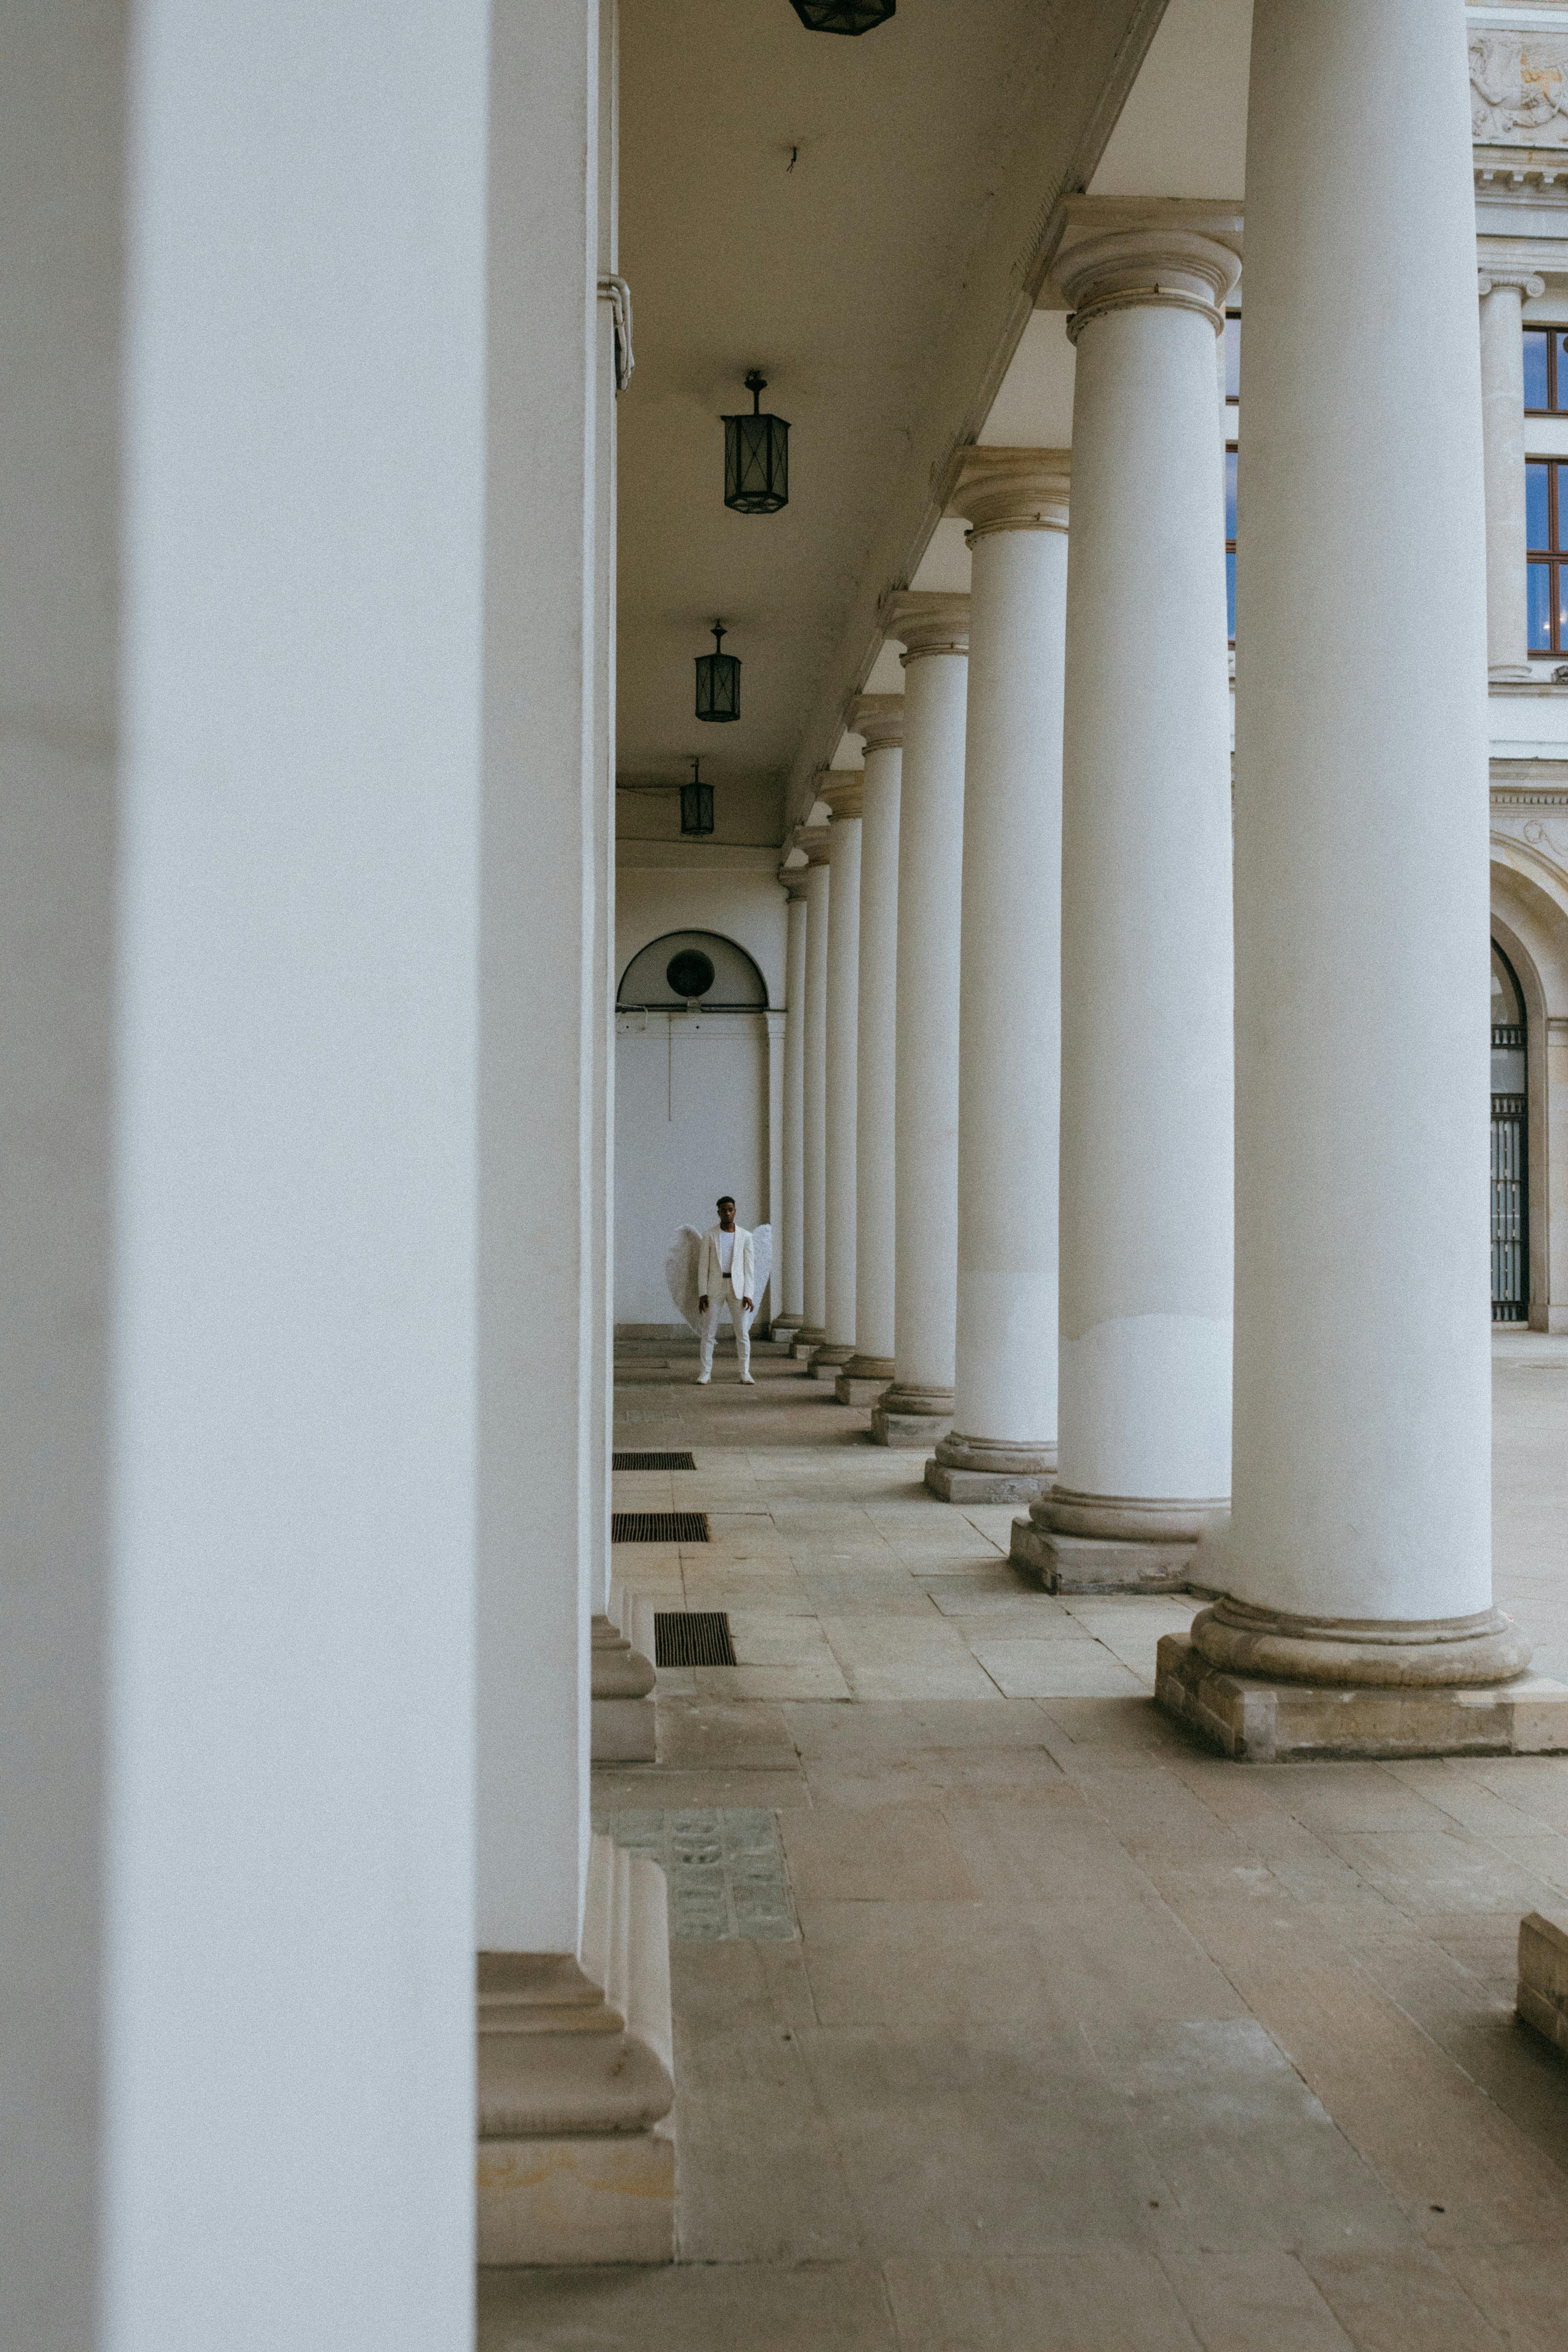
(817, 1677)
(830, 1735)
(655, 1784)
(718, 1986)
(1522, 2292)
(1254, 2300)
(1250, 2154)
(1022, 1776)
(1033, 1669)
(729, 1734)
(932, 1964)
(742, 2090)
(902, 1854)
(995, 1588)
(980, 2141)
(763, 1637)
(687, 2307)
(1041, 1854)
(1101, 2299)
(884, 1593)
(1440, 1868)
(1399, 2299)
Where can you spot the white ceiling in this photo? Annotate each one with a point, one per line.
(881, 285)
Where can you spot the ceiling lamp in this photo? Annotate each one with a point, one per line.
(756, 457)
(718, 680)
(696, 819)
(843, 16)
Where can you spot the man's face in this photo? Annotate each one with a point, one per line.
(727, 1216)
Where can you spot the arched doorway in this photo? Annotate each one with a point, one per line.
(1510, 1147)
(692, 1105)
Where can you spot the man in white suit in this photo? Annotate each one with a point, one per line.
(726, 1274)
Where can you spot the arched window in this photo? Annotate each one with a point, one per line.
(1511, 1148)
(693, 968)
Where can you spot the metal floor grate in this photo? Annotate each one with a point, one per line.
(652, 1462)
(659, 1527)
(692, 1637)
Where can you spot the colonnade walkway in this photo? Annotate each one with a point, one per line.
(1009, 2021)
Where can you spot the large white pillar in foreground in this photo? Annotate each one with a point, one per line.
(1003, 1444)
(879, 719)
(1502, 296)
(789, 1251)
(240, 673)
(842, 794)
(1359, 1553)
(813, 841)
(1146, 1226)
(569, 2167)
(934, 631)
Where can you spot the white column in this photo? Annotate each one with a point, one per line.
(789, 1250)
(1003, 1444)
(814, 1122)
(934, 630)
(879, 719)
(842, 794)
(1502, 293)
(549, 2114)
(1146, 1112)
(1359, 1546)
(240, 676)
(777, 1052)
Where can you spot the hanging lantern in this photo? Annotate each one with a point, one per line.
(718, 680)
(696, 818)
(843, 16)
(756, 457)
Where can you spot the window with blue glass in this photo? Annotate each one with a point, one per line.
(1547, 591)
(1230, 539)
(1232, 358)
(1545, 371)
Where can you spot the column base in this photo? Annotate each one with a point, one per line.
(828, 1361)
(990, 1470)
(1542, 1998)
(576, 2153)
(623, 1722)
(1264, 1719)
(806, 1341)
(863, 1378)
(910, 1418)
(781, 1332)
(1073, 1542)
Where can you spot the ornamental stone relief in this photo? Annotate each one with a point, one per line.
(1518, 89)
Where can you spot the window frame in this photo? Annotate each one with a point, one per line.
(1554, 332)
(1554, 557)
(1233, 399)
(1232, 449)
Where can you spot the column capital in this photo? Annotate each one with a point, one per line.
(812, 841)
(792, 876)
(1125, 269)
(1494, 278)
(1012, 490)
(844, 790)
(880, 718)
(928, 621)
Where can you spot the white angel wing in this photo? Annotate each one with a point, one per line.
(762, 1261)
(681, 1273)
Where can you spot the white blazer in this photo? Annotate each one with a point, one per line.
(742, 1273)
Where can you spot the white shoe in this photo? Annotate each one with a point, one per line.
(703, 1379)
(747, 1382)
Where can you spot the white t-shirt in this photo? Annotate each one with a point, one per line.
(726, 1251)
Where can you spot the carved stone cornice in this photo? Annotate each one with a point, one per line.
(928, 621)
(1011, 489)
(1132, 269)
(844, 790)
(879, 719)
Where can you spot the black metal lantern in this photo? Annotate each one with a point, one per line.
(718, 680)
(696, 818)
(756, 457)
(843, 16)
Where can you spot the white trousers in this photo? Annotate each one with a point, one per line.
(717, 1302)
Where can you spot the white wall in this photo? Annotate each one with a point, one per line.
(691, 1122)
(691, 1090)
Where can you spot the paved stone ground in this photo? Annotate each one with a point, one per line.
(1089, 2042)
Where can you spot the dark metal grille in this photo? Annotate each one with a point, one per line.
(652, 1462)
(1510, 1212)
(658, 1526)
(692, 1637)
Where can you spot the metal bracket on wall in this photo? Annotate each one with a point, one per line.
(618, 295)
